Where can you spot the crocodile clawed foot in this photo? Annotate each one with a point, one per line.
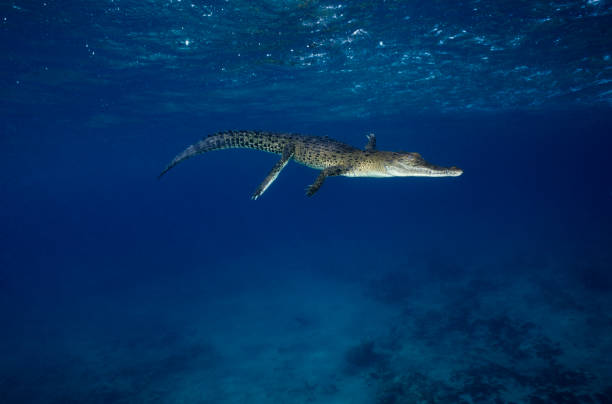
(310, 190)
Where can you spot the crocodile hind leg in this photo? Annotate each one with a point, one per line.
(327, 172)
(371, 142)
(288, 152)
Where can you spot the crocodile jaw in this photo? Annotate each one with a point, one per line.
(421, 170)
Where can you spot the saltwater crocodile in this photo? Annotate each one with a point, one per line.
(322, 153)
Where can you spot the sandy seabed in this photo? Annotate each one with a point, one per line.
(427, 333)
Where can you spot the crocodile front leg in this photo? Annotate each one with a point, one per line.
(288, 152)
(327, 172)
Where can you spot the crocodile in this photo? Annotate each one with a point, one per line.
(332, 157)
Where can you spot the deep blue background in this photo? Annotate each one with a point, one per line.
(108, 276)
(79, 204)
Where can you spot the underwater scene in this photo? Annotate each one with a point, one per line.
(365, 202)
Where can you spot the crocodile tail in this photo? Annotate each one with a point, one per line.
(230, 139)
(201, 147)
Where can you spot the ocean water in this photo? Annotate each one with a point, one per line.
(491, 287)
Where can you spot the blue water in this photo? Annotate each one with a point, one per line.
(491, 287)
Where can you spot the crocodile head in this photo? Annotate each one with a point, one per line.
(405, 164)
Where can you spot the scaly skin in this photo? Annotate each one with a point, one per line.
(321, 153)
